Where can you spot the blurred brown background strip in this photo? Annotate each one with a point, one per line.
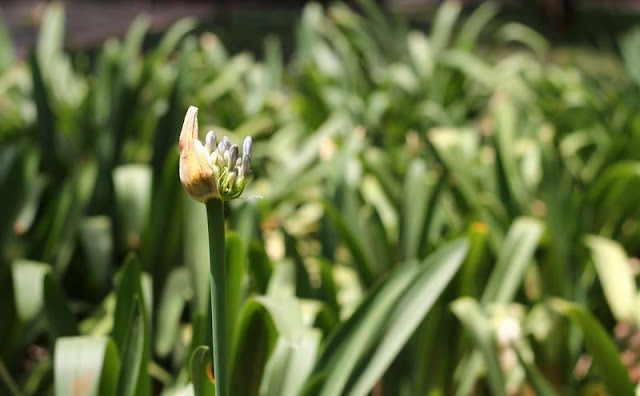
(89, 22)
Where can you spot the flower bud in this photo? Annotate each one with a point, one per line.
(210, 141)
(246, 164)
(247, 146)
(207, 171)
(233, 156)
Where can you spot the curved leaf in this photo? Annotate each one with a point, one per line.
(360, 332)
(516, 253)
(616, 277)
(199, 366)
(478, 324)
(63, 322)
(605, 354)
(435, 274)
(86, 366)
(134, 379)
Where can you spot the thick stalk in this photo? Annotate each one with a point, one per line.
(218, 268)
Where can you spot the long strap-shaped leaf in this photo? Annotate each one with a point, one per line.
(383, 323)
(437, 272)
(478, 324)
(516, 253)
(616, 277)
(600, 346)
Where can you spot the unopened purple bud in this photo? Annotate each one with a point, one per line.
(247, 146)
(233, 156)
(227, 159)
(224, 145)
(246, 164)
(210, 141)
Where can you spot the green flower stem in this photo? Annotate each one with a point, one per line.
(218, 268)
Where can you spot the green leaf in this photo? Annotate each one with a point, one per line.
(7, 384)
(72, 200)
(9, 321)
(353, 242)
(86, 366)
(510, 182)
(19, 168)
(435, 274)
(51, 37)
(28, 285)
(290, 364)
(132, 185)
(96, 240)
(421, 193)
(303, 284)
(616, 277)
(283, 280)
(162, 237)
(472, 66)
(605, 354)
(477, 322)
(30, 205)
(228, 79)
(514, 257)
(473, 26)
(420, 51)
(236, 273)
(134, 378)
(443, 23)
(165, 136)
(355, 337)
(128, 289)
(200, 359)
(131, 48)
(273, 59)
(6, 47)
(260, 266)
(630, 49)
(518, 32)
(262, 321)
(177, 289)
(196, 251)
(46, 125)
(172, 37)
(328, 290)
(470, 272)
(131, 328)
(539, 384)
(63, 322)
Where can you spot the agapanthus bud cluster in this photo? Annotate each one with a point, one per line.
(213, 170)
(231, 169)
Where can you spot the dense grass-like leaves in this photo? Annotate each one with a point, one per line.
(414, 184)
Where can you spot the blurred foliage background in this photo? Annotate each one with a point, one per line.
(442, 208)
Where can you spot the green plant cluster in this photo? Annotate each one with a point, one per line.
(428, 215)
